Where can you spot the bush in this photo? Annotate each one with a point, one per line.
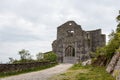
(50, 56)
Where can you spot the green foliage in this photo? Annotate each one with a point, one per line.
(112, 46)
(94, 73)
(118, 18)
(118, 50)
(50, 56)
(101, 51)
(24, 61)
(79, 72)
(76, 66)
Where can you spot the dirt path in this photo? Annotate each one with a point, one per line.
(40, 75)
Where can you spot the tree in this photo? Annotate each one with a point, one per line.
(11, 60)
(112, 35)
(114, 42)
(25, 55)
(118, 20)
(39, 56)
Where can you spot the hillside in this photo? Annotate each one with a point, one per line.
(79, 72)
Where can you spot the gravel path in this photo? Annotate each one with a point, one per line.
(40, 75)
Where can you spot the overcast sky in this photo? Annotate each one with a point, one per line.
(32, 24)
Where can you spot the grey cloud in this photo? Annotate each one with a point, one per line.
(11, 34)
(90, 14)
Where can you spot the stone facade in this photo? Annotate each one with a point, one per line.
(74, 44)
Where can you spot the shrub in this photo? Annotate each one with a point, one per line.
(50, 56)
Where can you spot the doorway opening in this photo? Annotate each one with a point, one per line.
(70, 51)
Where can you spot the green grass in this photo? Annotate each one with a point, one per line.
(78, 72)
(6, 74)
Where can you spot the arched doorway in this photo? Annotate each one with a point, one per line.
(70, 51)
(69, 55)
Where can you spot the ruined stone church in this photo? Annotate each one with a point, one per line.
(74, 44)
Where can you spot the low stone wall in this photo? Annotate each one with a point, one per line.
(21, 66)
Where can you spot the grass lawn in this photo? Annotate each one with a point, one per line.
(78, 72)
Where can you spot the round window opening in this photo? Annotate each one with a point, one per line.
(70, 24)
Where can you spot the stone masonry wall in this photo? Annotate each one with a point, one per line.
(21, 66)
(72, 39)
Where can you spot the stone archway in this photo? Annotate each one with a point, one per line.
(70, 51)
(69, 55)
